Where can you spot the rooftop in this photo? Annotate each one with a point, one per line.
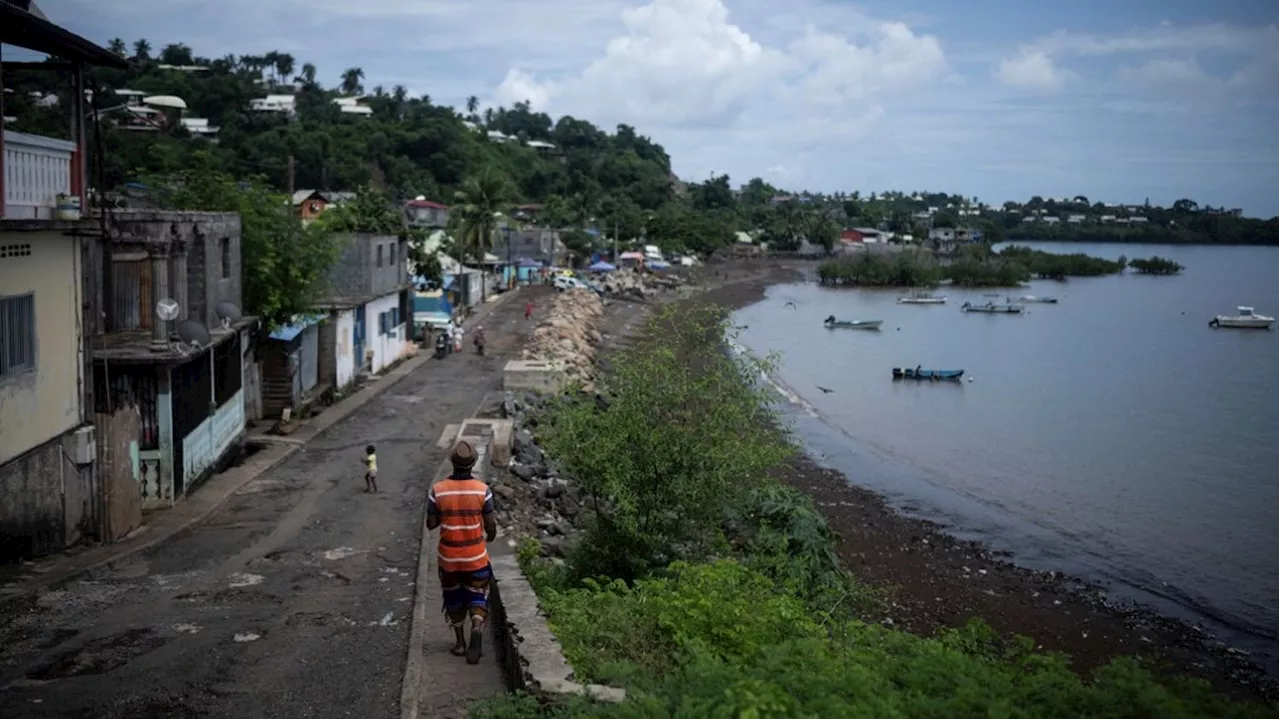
(134, 346)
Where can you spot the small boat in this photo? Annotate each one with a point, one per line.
(992, 308)
(832, 323)
(921, 298)
(1041, 300)
(929, 374)
(1246, 319)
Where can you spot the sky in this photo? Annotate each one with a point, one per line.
(1117, 100)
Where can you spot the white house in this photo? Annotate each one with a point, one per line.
(274, 103)
(369, 305)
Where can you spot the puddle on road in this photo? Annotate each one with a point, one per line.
(244, 637)
(240, 579)
(99, 656)
(340, 553)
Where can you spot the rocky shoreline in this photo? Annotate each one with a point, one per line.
(940, 581)
(932, 579)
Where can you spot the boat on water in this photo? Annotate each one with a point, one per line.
(1033, 298)
(992, 308)
(921, 298)
(1245, 318)
(927, 374)
(832, 323)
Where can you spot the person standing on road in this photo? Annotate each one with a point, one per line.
(370, 462)
(528, 310)
(461, 506)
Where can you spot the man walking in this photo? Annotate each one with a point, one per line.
(462, 507)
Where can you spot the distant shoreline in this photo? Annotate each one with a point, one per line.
(941, 581)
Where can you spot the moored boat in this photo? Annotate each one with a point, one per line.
(833, 323)
(921, 298)
(992, 308)
(1245, 319)
(1041, 300)
(929, 374)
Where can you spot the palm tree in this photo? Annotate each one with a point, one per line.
(351, 78)
(308, 75)
(142, 51)
(117, 46)
(473, 104)
(284, 65)
(477, 204)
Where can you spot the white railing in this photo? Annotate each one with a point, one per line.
(36, 170)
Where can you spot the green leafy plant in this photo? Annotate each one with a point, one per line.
(687, 427)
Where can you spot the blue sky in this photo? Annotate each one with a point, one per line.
(1119, 101)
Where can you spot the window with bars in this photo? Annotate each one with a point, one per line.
(17, 335)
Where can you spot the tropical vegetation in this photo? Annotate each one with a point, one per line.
(1155, 265)
(705, 587)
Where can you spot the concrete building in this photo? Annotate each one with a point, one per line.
(367, 307)
(423, 213)
(50, 495)
(175, 384)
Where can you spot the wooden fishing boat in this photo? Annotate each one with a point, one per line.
(921, 298)
(992, 308)
(832, 323)
(927, 374)
(1040, 300)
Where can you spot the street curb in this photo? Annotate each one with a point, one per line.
(416, 660)
(55, 579)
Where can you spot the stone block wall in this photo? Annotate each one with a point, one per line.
(204, 255)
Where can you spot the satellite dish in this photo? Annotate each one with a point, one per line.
(193, 333)
(228, 312)
(167, 309)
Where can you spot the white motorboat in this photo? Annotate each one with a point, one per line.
(921, 298)
(1245, 319)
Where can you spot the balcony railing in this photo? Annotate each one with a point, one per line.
(36, 170)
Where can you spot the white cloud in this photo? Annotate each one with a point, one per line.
(1031, 70)
(520, 86)
(1165, 72)
(685, 63)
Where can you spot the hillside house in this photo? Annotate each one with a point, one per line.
(426, 214)
(309, 204)
(281, 104)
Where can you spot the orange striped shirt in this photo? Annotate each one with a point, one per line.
(460, 504)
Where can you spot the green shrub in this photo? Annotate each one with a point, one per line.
(686, 429)
(722, 608)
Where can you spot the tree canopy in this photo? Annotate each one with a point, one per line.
(578, 176)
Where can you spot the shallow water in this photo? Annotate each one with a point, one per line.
(1114, 435)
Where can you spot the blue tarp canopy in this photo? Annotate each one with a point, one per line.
(602, 266)
(526, 262)
(290, 332)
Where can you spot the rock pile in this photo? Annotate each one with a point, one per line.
(534, 500)
(567, 337)
(638, 285)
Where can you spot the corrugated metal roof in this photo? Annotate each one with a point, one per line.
(290, 332)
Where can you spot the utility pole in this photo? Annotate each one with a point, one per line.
(615, 241)
(291, 168)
